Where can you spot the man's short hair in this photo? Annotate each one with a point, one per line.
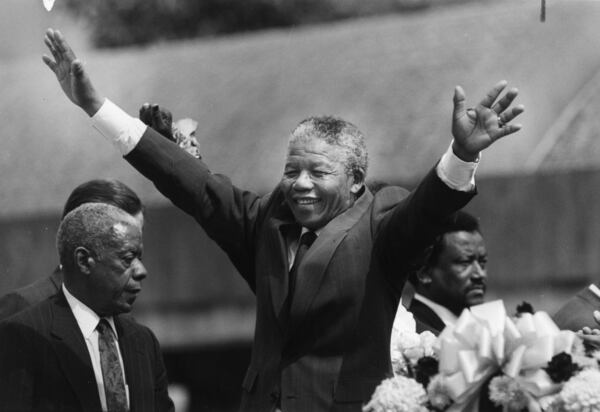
(90, 225)
(337, 132)
(460, 221)
(112, 192)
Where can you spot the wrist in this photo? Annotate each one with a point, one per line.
(92, 106)
(463, 154)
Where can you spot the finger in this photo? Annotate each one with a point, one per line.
(62, 46)
(493, 94)
(77, 69)
(506, 130)
(52, 48)
(157, 119)
(509, 115)
(586, 330)
(145, 114)
(597, 316)
(50, 63)
(595, 331)
(459, 103)
(505, 101)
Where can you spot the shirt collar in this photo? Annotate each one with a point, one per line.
(304, 230)
(443, 313)
(86, 318)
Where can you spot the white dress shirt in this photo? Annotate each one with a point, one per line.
(87, 320)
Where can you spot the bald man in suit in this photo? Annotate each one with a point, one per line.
(77, 351)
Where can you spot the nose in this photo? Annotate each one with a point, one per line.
(478, 271)
(140, 272)
(303, 182)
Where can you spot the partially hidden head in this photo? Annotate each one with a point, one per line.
(452, 270)
(109, 191)
(325, 169)
(100, 249)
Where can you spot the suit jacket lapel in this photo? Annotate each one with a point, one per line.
(313, 267)
(276, 246)
(73, 355)
(132, 352)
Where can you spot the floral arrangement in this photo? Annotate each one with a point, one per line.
(184, 134)
(490, 361)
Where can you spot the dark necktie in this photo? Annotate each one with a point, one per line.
(112, 374)
(306, 240)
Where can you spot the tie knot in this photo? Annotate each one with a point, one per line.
(103, 327)
(308, 238)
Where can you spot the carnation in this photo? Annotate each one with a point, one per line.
(427, 367)
(524, 307)
(561, 367)
(506, 391)
(398, 394)
(582, 392)
(438, 393)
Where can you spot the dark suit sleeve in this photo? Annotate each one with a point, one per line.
(16, 368)
(162, 401)
(226, 213)
(10, 304)
(414, 222)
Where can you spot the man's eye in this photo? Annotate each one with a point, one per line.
(290, 173)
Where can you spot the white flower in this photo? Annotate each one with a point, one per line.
(437, 391)
(507, 391)
(582, 392)
(428, 341)
(414, 346)
(398, 394)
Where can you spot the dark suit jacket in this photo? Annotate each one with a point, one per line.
(578, 311)
(331, 349)
(45, 364)
(20, 299)
(425, 318)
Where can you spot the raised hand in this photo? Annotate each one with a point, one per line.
(158, 118)
(475, 129)
(70, 73)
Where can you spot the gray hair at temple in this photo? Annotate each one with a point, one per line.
(337, 132)
(92, 226)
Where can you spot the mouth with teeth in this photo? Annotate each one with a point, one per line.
(306, 201)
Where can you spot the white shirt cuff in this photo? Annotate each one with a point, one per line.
(456, 173)
(119, 128)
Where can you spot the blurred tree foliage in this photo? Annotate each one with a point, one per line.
(117, 23)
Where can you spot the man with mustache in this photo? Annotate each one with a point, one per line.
(452, 276)
(325, 257)
(76, 351)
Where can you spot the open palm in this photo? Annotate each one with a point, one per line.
(475, 129)
(69, 72)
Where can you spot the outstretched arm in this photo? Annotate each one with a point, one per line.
(475, 129)
(70, 73)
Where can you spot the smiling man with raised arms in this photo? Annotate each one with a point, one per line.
(326, 258)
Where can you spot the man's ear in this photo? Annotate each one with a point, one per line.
(358, 181)
(424, 276)
(84, 260)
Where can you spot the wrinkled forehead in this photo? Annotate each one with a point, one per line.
(314, 147)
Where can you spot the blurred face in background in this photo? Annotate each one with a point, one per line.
(458, 279)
